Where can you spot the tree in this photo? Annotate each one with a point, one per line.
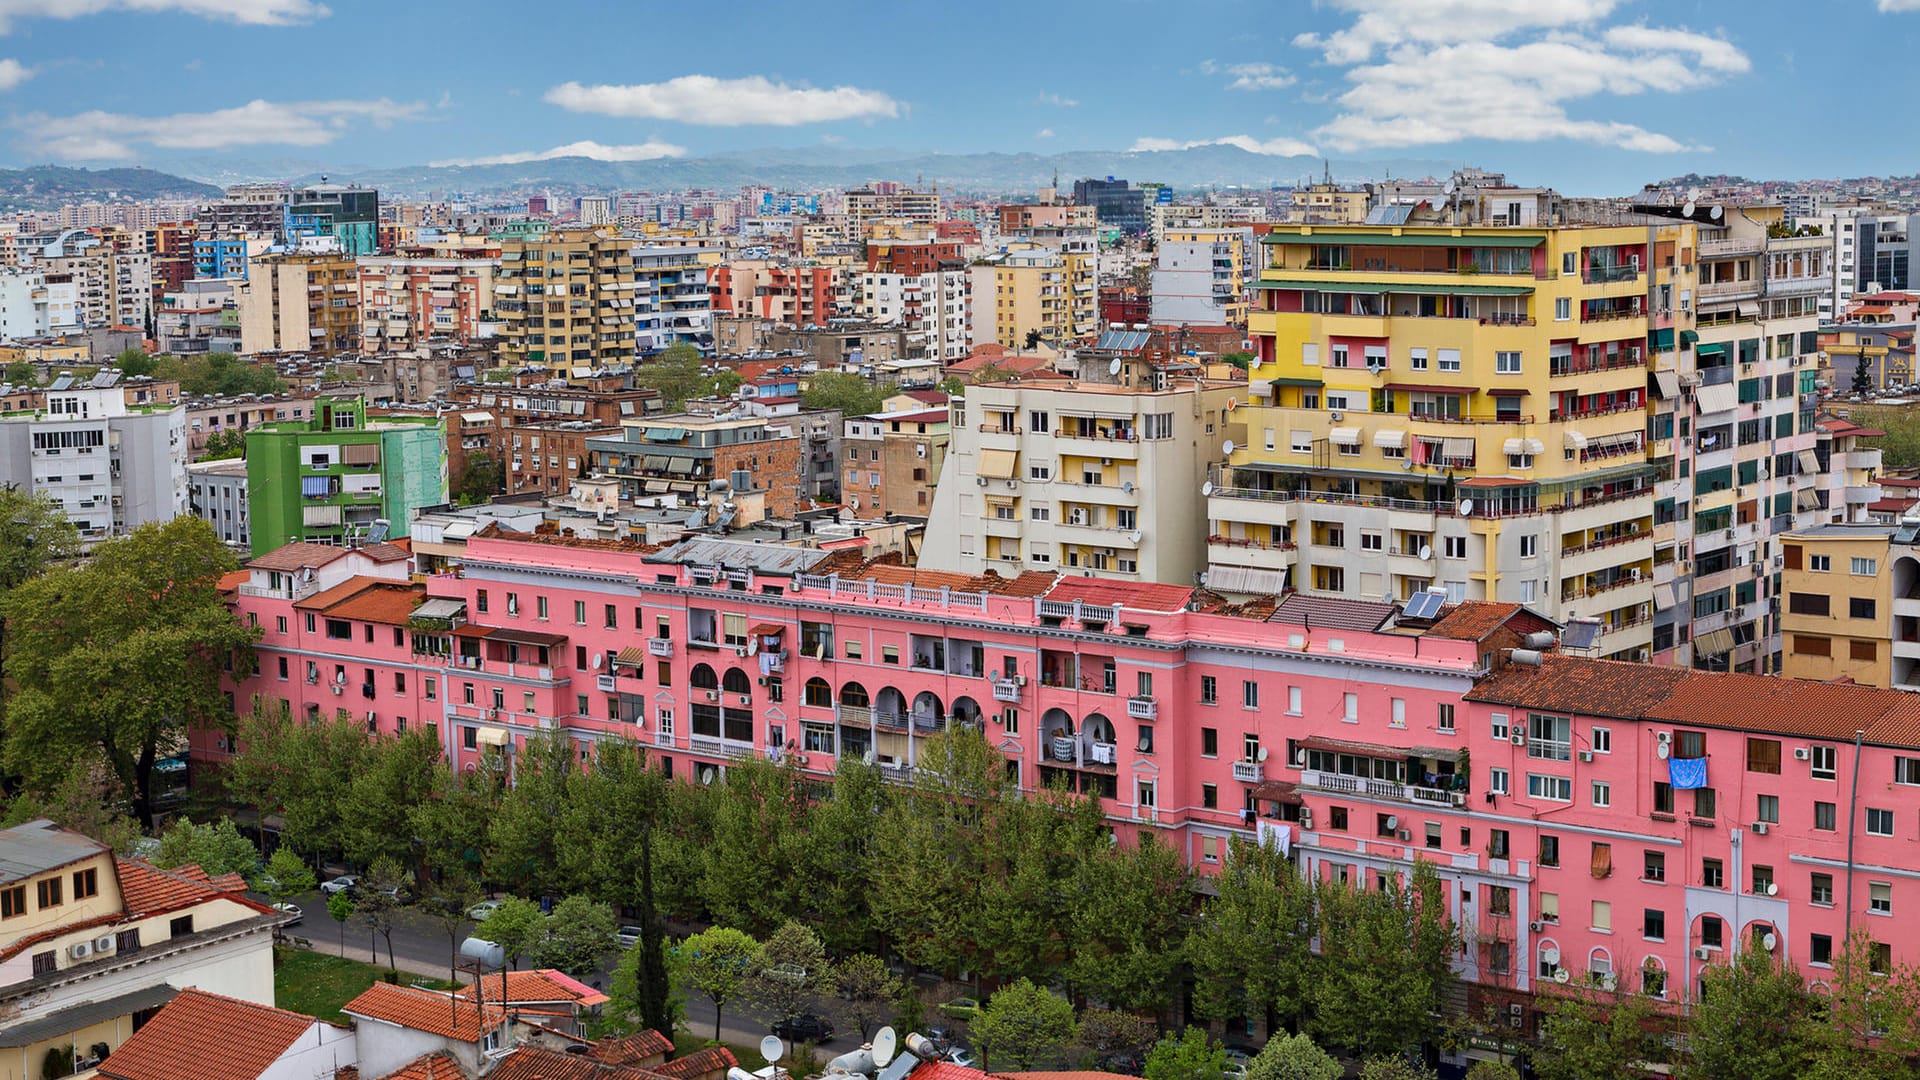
(676, 374)
(516, 926)
(1751, 1022)
(725, 382)
(218, 374)
(1250, 949)
(1393, 1067)
(792, 970)
(225, 445)
(1871, 1029)
(869, 990)
(1293, 1057)
(1191, 1055)
(1492, 1070)
(87, 798)
(120, 656)
(481, 480)
(1241, 360)
(835, 852)
(299, 771)
(1115, 1041)
(1023, 1027)
(285, 876)
(1591, 1034)
(524, 832)
(397, 773)
(341, 907)
(757, 814)
(216, 847)
(21, 373)
(579, 934)
(628, 1010)
(1862, 377)
(34, 534)
(717, 963)
(851, 394)
(1033, 339)
(1385, 963)
(447, 902)
(134, 363)
(952, 386)
(378, 902)
(1127, 924)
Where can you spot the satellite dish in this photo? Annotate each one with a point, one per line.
(772, 1048)
(1227, 448)
(1206, 489)
(1134, 536)
(1560, 975)
(1426, 552)
(1715, 213)
(884, 1045)
(1262, 755)
(707, 774)
(1449, 186)
(1688, 208)
(868, 757)
(1465, 508)
(1114, 368)
(1769, 942)
(1551, 954)
(1661, 751)
(597, 658)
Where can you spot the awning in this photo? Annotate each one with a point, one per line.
(1390, 440)
(1809, 462)
(1514, 446)
(1344, 436)
(313, 486)
(75, 1018)
(1247, 580)
(1535, 446)
(1748, 309)
(680, 465)
(1602, 860)
(527, 637)
(1456, 448)
(655, 462)
(1667, 384)
(767, 629)
(1661, 340)
(1342, 746)
(1297, 382)
(1688, 337)
(1713, 643)
(440, 607)
(1807, 499)
(1718, 398)
(1437, 753)
(1430, 388)
(998, 464)
(360, 453)
(632, 656)
(1507, 391)
(1576, 441)
(488, 736)
(472, 630)
(477, 417)
(1663, 596)
(1370, 239)
(1710, 349)
(1279, 791)
(664, 434)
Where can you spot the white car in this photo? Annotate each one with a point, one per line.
(962, 1057)
(482, 909)
(289, 909)
(343, 883)
(627, 936)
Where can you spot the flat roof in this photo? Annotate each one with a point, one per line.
(39, 846)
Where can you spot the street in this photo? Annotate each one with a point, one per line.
(421, 947)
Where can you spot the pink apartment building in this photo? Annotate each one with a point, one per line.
(1355, 734)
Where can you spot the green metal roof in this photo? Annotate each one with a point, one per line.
(1297, 382)
(1386, 239)
(1715, 348)
(1396, 287)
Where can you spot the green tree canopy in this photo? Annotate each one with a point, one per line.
(1293, 1057)
(285, 876)
(1023, 1027)
(22, 373)
(868, 991)
(216, 847)
(852, 394)
(1492, 1070)
(481, 480)
(579, 934)
(86, 797)
(217, 374)
(792, 971)
(1191, 1055)
(717, 963)
(1589, 1033)
(134, 363)
(225, 445)
(1750, 1023)
(677, 374)
(516, 926)
(299, 770)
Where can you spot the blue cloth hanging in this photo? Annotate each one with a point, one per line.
(1687, 773)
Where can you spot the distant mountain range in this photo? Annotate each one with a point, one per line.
(45, 187)
(811, 168)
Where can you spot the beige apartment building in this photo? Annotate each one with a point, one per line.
(299, 303)
(566, 301)
(1032, 288)
(1078, 476)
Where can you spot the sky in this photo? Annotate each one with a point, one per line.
(1592, 96)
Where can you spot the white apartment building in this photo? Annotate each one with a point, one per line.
(111, 467)
(1200, 277)
(1078, 477)
(596, 210)
(217, 492)
(935, 308)
(23, 304)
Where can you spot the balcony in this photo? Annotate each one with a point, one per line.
(1009, 690)
(1249, 772)
(1381, 789)
(606, 683)
(858, 716)
(1143, 707)
(660, 646)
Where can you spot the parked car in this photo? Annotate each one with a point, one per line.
(962, 1057)
(961, 1008)
(627, 936)
(1237, 1061)
(804, 1028)
(344, 883)
(290, 909)
(170, 765)
(483, 909)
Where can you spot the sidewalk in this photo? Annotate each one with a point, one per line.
(363, 954)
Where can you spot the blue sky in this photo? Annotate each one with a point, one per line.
(1589, 95)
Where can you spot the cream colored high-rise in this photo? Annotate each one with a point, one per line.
(566, 301)
(299, 303)
(1031, 289)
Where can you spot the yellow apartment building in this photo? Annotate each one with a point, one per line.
(1033, 288)
(1842, 615)
(1456, 408)
(566, 300)
(299, 303)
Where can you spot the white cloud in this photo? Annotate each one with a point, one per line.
(647, 151)
(1250, 76)
(703, 99)
(1044, 133)
(1281, 147)
(1425, 72)
(13, 73)
(1061, 101)
(1896, 6)
(99, 135)
(248, 12)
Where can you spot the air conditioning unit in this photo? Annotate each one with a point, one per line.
(81, 950)
(1404, 836)
(1019, 680)
(338, 689)
(981, 480)
(1535, 927)
(1607, 981)
(1702, 953)
(1306, 819)
(1518, 738)
(1663, 737)
(746, 699)
(1586, 756)
(1760, 828)
(1106, 461)
(103, 943)
(1802, 753)
(713, 695)
(762, 680)
(741, 652)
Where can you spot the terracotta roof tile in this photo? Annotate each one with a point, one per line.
(714, 1059)
(232, 580)
(540, 1063)
(540, 985)
(638, 1048)
(946, 1070)
(207, 1037)
(367, 599)
(385, 553)
(1138, 595)
(435, 1066)
(145, 889)
(425, 1010)
(1331, 613)
(1475, 619)
(296, 556)
(1574, 685)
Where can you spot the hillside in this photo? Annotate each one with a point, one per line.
(46, 187)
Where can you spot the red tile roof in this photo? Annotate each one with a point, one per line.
(540, 1063)
(542, 985)
(145, 889)
(1574, 685)
(207, 1037)
(1138, 595)
(435, 1066)
(233, 580)
(636, 1049)
(1475, 619)
(385, 552)
(931, 397)
(1331, 613)
(425, 1010)
(367, 599)
(1000, 358)
(714, 1059)
(946, 1070)
(296, 556)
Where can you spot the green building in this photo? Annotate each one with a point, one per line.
(339, 475)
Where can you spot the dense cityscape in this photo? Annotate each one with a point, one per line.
(1232, 608)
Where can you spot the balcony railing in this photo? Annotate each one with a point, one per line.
(1008, 691)
(660, 646)
(1143, 707)
(1249, 772)
(1381, 789)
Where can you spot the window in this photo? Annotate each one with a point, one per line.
(86, 883)
(1499, 900)
(49, 890)
(1350, 708)
(1820, 889)
(1445, 720)
(1654, 866)
(45, 963)
(580, 612)
(1549, 850)
(13, 902)
(1653, 925)
(1689, 744)
(1506, 363)
(1824, 758)
(1454, 547)
(1499, 724)
(1301, 442)
(1209, 690)
(1860, 608)
(1250, 694)
(1449, 360)
(1763, 756)
(1825, 818)
(1549, 907)
(540, 608)
(1552, 788)
(1662, 797)
(1562, 308)
(1762, 880)
(1712, 932)
(1529, 546)
(1498, 781)
(1906, 770)
(1371, 541)
(1602, 915)
(1602, 793)
(1549, 738)
(180, 926)
(1713, 874)
(1820, 563)
(1337, 818)
(1497, 844)
(1880, 898)
(1705, 802)
(1293, 701)
(1602, 740)
(1820, 949)
(1879, 822)
(1209, 742)
(1417, 359)
(1864, 567)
